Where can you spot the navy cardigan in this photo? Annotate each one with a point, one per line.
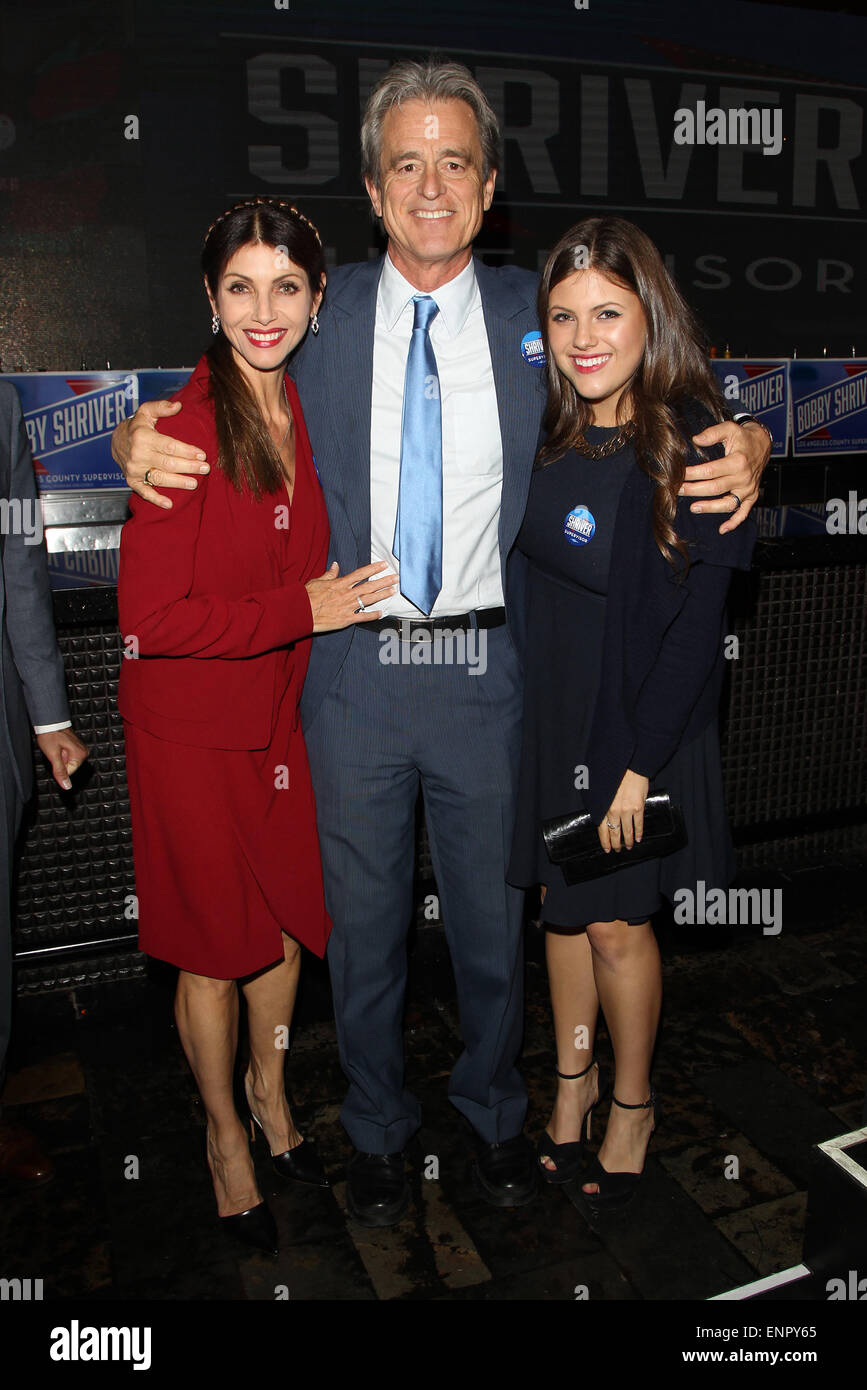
(662, 656)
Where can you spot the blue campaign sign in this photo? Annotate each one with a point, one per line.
(159, 383)
(829, 405)
(69, 418)
(83, 569)
(759, 386)
(803, 519)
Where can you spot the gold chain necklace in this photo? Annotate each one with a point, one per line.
(608, 446)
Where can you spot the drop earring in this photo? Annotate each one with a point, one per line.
(314, 324)
(215, 323)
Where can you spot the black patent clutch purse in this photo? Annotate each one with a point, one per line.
(572, 842)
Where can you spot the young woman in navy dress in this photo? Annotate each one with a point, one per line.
(623, 667)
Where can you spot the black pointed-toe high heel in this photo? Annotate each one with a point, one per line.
(616, 1190)
(570, 1156)
(255, 1227)
(302, 1163)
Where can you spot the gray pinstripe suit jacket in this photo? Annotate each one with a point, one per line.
(32, 686)
(334, 374)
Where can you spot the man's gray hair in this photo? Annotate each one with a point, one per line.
(428, 81)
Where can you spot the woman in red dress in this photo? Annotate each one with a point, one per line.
(219, 599)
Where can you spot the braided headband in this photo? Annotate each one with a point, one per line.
(266, 203)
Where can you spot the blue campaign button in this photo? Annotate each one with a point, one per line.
(579, 526)
(532, 350)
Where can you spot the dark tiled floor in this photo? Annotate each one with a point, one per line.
(761, 1054)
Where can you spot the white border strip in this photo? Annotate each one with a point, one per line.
(836, 1151)
(771, 1281)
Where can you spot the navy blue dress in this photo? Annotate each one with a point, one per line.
(566, 536)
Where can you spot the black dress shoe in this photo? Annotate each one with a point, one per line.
(377, 1192)
(255, 1227)
(505, 1174)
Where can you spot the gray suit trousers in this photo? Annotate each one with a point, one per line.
(385, 728)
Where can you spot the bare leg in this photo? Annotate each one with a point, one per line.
(576, 1006)
(628, 975)
(270, 998)
(206, 1011)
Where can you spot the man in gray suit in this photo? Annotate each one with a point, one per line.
(32, 697)
(423, 404)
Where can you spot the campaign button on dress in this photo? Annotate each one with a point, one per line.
(579, 526)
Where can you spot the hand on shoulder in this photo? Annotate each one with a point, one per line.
(165, 444)
(728, 482)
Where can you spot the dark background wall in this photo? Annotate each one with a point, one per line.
(100, 233)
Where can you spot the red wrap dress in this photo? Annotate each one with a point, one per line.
(217, 626)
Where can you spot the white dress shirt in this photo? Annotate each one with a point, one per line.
(472, 446)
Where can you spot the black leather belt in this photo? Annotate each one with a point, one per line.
(461, 622)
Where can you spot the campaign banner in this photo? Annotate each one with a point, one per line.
(584, 132)
(803, 519)
(759, 386)
(829, 405)
(159, 383)
(69, 418)
(84, 569)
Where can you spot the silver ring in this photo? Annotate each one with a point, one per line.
(735, 496)
(615, 826)
(360, 608)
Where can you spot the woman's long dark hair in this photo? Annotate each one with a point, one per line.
(673, 366)
(246, 451)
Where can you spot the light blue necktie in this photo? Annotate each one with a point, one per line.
(418, 531)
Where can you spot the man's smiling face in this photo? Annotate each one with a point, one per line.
(432, 195)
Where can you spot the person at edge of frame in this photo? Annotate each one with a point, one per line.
(33, 698)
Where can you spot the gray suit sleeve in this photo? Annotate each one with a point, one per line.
(29, 619)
